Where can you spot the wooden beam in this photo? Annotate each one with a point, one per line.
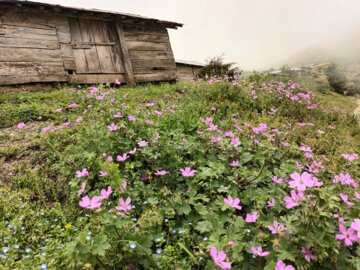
(126, 55)
(95, 78)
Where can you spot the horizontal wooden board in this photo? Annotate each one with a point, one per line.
(28, 43)
(136, 63)
(28, 19)
(168, 75)
(29, 55)
(28, 32)
(145, 29)
(30, 68)
(147, 70)
(15, 79)
(146, 37)
(96, 78)
(137, 54)
(149, 46)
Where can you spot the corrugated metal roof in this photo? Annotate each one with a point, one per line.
(169, 24)
(190, 63)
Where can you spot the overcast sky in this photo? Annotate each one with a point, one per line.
(255, 34)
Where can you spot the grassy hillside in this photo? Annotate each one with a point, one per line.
(149, 177)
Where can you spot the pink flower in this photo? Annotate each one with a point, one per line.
(229, 134)
(286, 144)
(350, 157)
(118, 115)
(117, 82)
(259, 252)
(308, 254)
(102, 174)
(132, 152)
(122, 158)
(216, 139)
(348, 236)
(79, 120)
(187, 172)
(83, 186)
(345, 199)
(213, 109)
(149, 104)
(162, 172)
(83, 173)
(294, 200)
(355, 225)
(143, 144)
(305, 148)
(345, 179)
(157, 112)
(219, 258)
(21, 125)
(233, 202)
(93, 203)
(235, 142)
(251, 218)
(277, 227)
(125, 206)
(271, 203)
(277, 180)
(300, 182)
(73, 105)
(132, 118)
(231, 243)
(109, 158)
(282, 266)
(198, 132)
(67, 124)
(112, 127)
(45, 129)
(235, 163)
(123, 187)
(58, 110)
(105, 193)
(93, 90)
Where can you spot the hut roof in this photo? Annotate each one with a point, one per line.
(189, 63)
(27, 3)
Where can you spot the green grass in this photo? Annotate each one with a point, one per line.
(39, 184)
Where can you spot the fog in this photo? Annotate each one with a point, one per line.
(256, 34)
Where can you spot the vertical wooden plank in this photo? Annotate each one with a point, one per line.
(104, 52)
(129, 72)
(79, 54)
(91, 54)
(111, 36)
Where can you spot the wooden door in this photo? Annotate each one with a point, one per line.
(96, 47)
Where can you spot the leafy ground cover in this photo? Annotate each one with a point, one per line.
(207, 175)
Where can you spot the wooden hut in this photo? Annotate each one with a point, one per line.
(187, 70)
(52, 43)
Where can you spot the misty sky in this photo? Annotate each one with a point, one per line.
(255, 34)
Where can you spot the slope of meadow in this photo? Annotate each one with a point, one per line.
(206, 175)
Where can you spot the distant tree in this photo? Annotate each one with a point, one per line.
(216, 67)
(336, 79)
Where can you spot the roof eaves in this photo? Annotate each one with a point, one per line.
(168, 24)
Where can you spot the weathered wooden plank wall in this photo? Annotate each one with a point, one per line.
(187, 72)
(50, 45)
(150, 52)
(29, 48)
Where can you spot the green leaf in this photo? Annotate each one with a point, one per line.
(101, 245)
(204, 226)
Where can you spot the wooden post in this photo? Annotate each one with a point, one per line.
(127, 62)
